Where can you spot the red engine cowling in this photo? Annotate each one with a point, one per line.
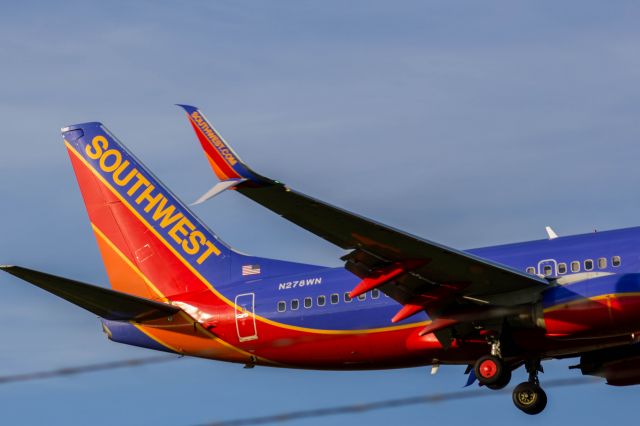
(620, 366)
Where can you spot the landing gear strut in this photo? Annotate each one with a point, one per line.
(529, 396)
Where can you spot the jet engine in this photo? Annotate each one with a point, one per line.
(620, 366)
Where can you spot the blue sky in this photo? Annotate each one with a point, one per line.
(468, 123)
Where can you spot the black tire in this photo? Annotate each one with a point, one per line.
(529, 398)
(503, 382)
(489, 370)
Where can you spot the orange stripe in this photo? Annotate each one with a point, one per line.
(215, 168)
(593, 299)
(184, 336)
(121, 272)
(212, 153)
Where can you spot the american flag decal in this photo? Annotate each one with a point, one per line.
(250, 269)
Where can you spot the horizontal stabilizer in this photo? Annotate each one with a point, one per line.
(108, 304)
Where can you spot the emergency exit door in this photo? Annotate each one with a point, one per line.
(245, 318)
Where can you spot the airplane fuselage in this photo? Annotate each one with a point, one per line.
(307, 320)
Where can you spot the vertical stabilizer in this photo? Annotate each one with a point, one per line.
(151, 243)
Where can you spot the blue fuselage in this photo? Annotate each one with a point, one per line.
(589, 265)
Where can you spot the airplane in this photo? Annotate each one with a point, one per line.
(399, 301)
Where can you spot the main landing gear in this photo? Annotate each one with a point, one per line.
(529, 396)
(492, 372)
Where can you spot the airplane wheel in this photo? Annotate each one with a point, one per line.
(530, 398)
(503, 382)
(489, 370)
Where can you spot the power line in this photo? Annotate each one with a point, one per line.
(287, 415)
(381, 405)
(89, 368)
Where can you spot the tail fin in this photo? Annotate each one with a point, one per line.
(151, 244)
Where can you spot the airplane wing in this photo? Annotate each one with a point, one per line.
(418, 273)
(108, 304)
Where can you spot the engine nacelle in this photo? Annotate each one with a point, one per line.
(620, 366)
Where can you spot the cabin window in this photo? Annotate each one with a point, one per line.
(616, 261)
(335, 298)
(347, 298)
(531, 270)
(562, 268)
(575, 266)
(322, 300)
(295, 304)
(547, 270)
(362, 297)
(282, 306)
(602, 262)
(308, 302)
(588, 265)
(375, 293)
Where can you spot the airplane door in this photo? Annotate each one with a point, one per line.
(548, 268)
(245, 319)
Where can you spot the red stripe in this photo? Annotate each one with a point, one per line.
(214, 155)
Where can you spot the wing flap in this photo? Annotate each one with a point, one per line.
(108, 304)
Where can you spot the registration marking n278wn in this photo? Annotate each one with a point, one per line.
(288, 285)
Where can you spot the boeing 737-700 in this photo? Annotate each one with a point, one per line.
(399, 301)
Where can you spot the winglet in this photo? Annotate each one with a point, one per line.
(217, 189)
(226, 164)
(551, 233)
